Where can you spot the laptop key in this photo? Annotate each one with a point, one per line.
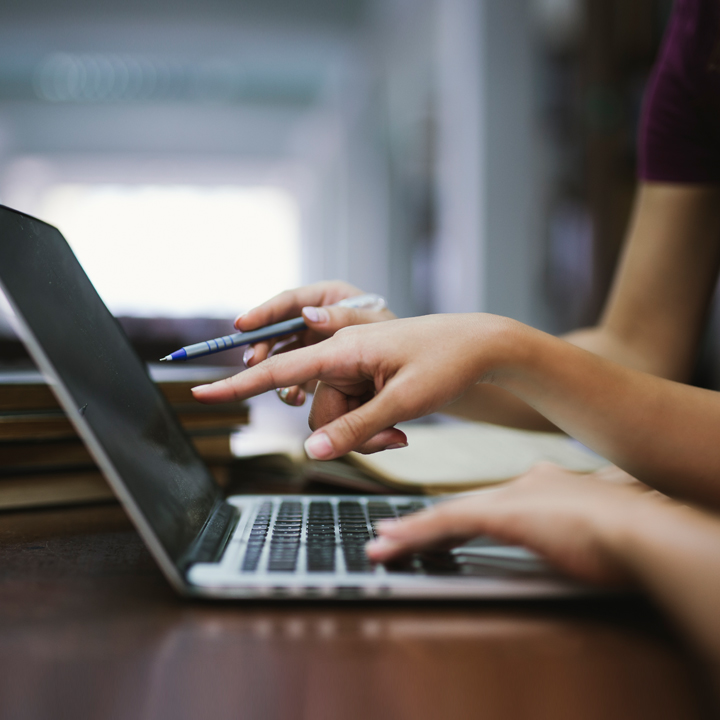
(320, 537)
(257, 537)
(354, 533)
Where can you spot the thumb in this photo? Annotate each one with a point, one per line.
(328, 320)
(351, 430)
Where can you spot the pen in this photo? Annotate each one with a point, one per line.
(287, 327)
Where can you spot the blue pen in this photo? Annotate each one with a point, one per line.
(287, 327)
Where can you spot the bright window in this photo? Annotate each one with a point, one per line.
(179, 251)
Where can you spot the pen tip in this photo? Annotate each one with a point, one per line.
(166, 358)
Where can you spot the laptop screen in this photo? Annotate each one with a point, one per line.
(125, 412)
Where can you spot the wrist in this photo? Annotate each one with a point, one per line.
(634, 525)
(508, 348)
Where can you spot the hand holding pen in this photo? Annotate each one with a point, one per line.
(295, 318)
(325, 307)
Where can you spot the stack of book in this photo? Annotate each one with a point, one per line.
(44, 462)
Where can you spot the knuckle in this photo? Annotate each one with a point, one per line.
(344, 331)
(268, 372)
(231, 384)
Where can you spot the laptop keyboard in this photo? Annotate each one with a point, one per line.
(320, 527)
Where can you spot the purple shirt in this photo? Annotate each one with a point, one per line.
(680, 125)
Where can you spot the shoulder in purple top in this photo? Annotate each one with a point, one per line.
(680, 126)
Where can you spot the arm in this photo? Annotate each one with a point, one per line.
(653, 320)
(374, 376)
(593, 530)
(655, 315)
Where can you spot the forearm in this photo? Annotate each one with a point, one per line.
(661, 432)
(674, 552)
(489, 403)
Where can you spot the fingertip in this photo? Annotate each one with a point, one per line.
(319, 447)
(292, 396)
(390, 439)
(248, 355)
(200, 392)
(381, 549)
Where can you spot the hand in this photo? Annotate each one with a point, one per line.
(374, 376)
(567, 518)
(312, 303)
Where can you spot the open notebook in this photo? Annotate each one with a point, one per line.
(442, 458)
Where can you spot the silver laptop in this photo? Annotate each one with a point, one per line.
(206, 544)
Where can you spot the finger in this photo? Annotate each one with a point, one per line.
(283, 370)
(309, 387)
(444, 525)
(288, 304)
(293, 396)
(322, 323)
(389, 439)
(255, 354)
(353, 429)
(330, 403)
(328, 320)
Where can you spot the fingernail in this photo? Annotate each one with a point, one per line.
(283, 394)
(199, 390)
(396, 446)
(318, 447)
(316, 314)
(300, 399)
(238, 319)
(248, 355)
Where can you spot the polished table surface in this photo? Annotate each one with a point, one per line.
(89, 628)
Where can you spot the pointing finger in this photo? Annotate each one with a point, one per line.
(280, 371)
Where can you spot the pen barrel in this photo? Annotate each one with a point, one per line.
(208, 347)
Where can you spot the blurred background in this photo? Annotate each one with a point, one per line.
(451, 155)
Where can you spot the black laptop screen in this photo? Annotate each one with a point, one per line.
(89, 351)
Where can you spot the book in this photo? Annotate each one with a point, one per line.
(342, 474)
(70, 488)
(28, 389)
(44, 462)
(459, 456)
(26, 424)
(57, 453)
(29, 409)
(74, 487)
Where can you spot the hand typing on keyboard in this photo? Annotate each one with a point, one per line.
(566, 518)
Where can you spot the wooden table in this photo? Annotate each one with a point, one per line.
(89, 628)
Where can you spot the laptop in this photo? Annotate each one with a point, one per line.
(208, 545)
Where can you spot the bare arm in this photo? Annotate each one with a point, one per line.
(373, 376)
(653, 320)
(656, 311)
(593, 530)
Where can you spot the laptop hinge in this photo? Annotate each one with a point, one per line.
(211, 542)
